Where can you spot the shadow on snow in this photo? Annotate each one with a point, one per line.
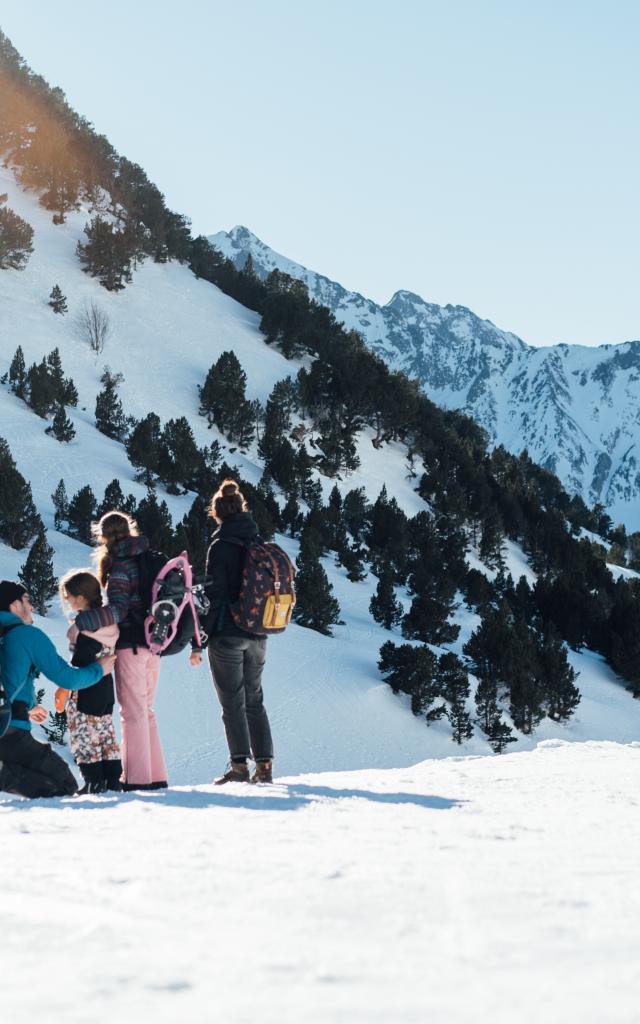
(279, 797)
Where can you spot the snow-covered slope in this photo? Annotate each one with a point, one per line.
(576, 409)
(458, 891)
(329, 708)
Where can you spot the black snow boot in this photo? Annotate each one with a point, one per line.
(94, 780)
(112, 770)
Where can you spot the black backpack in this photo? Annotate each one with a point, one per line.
(5, 704)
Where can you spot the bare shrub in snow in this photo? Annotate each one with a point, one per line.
(93, 326)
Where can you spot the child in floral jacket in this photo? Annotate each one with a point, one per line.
(90, 712)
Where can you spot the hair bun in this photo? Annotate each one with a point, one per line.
(229, 488)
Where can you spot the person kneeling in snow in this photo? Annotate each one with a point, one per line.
(27, 767)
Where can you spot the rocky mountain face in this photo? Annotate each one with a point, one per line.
(576, 409)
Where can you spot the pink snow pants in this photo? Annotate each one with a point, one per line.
(136, 681)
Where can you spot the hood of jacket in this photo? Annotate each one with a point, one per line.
(105, 635)
(239, 526)
(129, 547)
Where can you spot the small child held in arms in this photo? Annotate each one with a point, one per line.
(90, 712)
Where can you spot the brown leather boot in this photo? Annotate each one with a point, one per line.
(238, 771)
(263, 772)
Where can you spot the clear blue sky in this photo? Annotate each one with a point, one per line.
(480, 152)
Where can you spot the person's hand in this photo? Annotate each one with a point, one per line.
(195, 658)
(38, 714)
(107, 661)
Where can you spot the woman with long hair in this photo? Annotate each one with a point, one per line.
(236, 658)
(137, 669)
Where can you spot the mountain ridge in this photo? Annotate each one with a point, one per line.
(572, 407)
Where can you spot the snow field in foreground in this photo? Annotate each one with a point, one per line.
(465, 889)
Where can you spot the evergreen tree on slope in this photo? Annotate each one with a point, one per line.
(19, 520)
(37, 574)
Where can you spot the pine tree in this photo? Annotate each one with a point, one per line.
(208, 474)
(57, 300)
(350, 557)
(19, 520)
(277, 419)
(281, 465)
(477, 590)
(520, 668)
(110, 416)
(60, 504)
(333, 515)
(143, 447)
(179, 459)
(192, 534)
(268, 498)
(81, 513)
(428, 616)
(62, 428)
(154, 520)
(492, 539)
(63, 388)
(114, 500)
(41, 388)
(16, 239)
(384, 607)
(242, 427)
(316, 608)
(412, 670)
(37, 574)
(312, 494)
(356, 513)
(454, 683)
(223, 392)
(336, 441)
(498, 733)
(108, 253)
(223, 400)
(18, 374)
(557, 677)
(292, 518)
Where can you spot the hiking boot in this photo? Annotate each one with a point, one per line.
(263, 772)
(238, 771)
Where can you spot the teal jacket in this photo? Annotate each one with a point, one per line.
(25, 652)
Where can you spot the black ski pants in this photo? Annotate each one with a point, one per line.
(236, 666)
(32, 769)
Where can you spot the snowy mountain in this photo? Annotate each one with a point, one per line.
(167, 329)
(575, 409)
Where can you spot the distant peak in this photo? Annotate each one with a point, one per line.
(244, 238)
(405, 298)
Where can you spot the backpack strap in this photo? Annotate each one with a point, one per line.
(3, 632)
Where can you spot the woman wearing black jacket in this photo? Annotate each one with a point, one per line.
(236, 658)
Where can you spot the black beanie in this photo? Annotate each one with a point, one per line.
(10, 592)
